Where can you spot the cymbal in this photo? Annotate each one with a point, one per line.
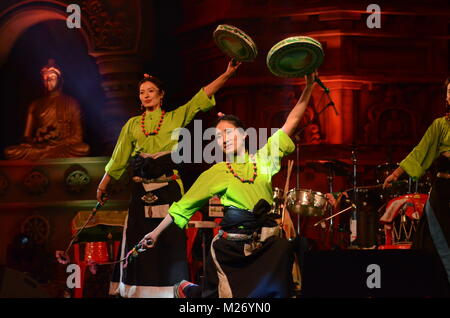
(336, 167)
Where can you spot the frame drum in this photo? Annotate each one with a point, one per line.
(235, 43)
(296, 56)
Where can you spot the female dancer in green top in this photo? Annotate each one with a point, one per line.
(245, 261)
(433, 231)
(149, 141)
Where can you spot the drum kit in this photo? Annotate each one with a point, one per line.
(298, 56)
(386, 218)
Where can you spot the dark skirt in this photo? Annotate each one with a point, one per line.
(247, 268)
(265, 273)
(154, 272)
(439, 209)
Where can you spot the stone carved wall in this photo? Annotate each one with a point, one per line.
(114, 24)
(380, 79)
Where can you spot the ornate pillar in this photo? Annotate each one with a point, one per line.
(120, 78)
(117, 45)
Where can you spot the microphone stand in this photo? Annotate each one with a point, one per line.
(327, 91)
(331, 103)
(330, 178)
(353, 219)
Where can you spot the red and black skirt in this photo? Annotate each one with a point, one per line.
(239, 267)
(154, 272)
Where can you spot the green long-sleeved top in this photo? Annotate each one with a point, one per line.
(218, 180)
(435, 141)
(132, 140)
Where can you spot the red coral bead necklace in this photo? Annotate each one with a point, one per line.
(255, 171)
(156, 131)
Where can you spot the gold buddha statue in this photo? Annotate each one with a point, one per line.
(53, 126)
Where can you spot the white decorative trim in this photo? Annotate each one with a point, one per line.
(114, 286)
(224, 288)
(131, 291)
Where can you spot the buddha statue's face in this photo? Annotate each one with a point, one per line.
(50, 81)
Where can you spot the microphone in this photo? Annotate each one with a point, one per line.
(331, 103)
(99, 205)
(318, 81)
(141, 247)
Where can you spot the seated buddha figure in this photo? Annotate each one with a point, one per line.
(53, 126)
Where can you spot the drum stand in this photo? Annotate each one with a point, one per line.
(409, 184)
(298, 185)
(353, 219)
(412, 183)
(202, 226)
(330, 178)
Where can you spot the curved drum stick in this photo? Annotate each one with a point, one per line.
(336, 214)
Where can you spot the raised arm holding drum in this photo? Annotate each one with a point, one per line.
(242, 251)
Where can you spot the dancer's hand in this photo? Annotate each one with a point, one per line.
(145, 155)
(102, 196)
(331, 199)
(149, 240)
(218, 83)
(311, 78)
(62, 257)
(232, 67)
(393, 177)
(387, 182)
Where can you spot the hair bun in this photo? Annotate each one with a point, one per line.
(146, 75)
